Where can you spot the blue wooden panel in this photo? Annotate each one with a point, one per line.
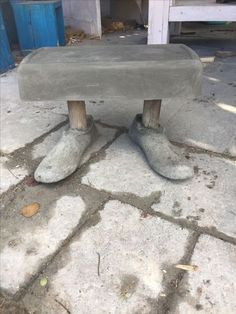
(6, 60)
(44, 25)
(9, 21)
(24, 27)
(39, 23)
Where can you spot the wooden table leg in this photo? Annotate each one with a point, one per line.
(77, 114)
(151, 113)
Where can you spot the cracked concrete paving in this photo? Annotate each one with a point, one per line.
(31, 122)
(202, 292)
(28, 245)
(114, 230)
(207, 200)
(18, 242)
(134, 260)
(27, 248)
(11, 177)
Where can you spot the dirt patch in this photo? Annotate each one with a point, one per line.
(128, 285)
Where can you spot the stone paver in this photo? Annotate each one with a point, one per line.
(204, 124)
(124, 169)
(21, 123)
(31, 124)
(208, 199)
(209, 122)
(9, 176)
(232, 146)
(211, 289)
(219, 82)
(122, 113)
(131, 267)
(119, 113)
(28, 244)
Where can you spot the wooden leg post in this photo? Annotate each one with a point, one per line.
(77, 114)
(151, 113)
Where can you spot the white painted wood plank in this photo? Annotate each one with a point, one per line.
(195, 2)
(158, 25)
(202, 13)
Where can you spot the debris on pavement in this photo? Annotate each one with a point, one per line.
(207, 59)
(74, 36)
(30, 210)
(43, 282)
(94, 37)
(110, 25)
(187, 267)
(98, 267)
(30, 181)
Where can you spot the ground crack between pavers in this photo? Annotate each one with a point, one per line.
(198, 150)
(145, 205)
(167, 302)
(23, 156)
(89, 218)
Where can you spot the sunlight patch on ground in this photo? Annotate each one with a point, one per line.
(226, 107)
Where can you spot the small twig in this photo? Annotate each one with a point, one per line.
(2, 303)
(67, 311)
(12, 173)
(99, 260)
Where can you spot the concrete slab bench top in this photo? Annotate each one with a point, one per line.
(110, 72)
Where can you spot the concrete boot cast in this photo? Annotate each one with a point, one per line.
(66, 156)
(159, 151)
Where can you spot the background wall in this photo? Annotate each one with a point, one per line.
(84, 15)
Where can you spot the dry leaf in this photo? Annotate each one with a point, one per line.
(30, 210)
(74, 36)
(187, 267)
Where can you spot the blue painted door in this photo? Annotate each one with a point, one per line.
(24, 27)
(44, 27)
(39, 24)
(6, 60)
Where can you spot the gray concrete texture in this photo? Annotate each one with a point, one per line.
(141, 224)
(207, 200)
(85, 15)
(133, 262)
(212, 288)
(110, 72)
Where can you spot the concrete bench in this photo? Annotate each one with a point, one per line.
(110, 72)
(77, 74)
